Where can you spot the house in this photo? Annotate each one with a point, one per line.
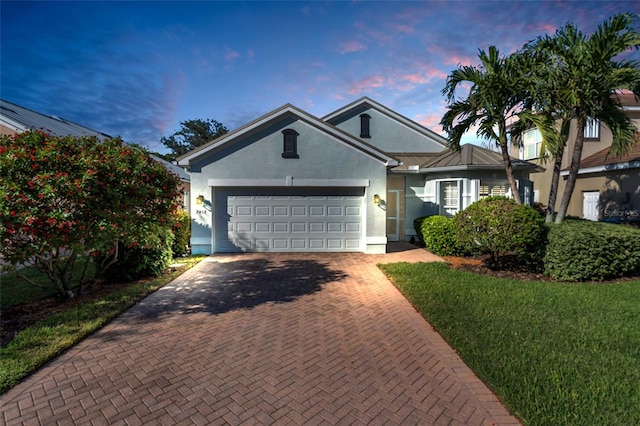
(351, 181)
(607, 187)
(15, 119)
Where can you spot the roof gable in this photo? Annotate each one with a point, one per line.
(23, 119)
(287, 110)
(395, 133)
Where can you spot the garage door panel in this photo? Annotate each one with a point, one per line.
(280, 210)
(275, 219)
(298, 210)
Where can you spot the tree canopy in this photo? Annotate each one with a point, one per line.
(65, 200)
(580, 76)
(192, 134)
(551, 82)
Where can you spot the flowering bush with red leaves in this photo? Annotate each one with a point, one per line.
(62, 198)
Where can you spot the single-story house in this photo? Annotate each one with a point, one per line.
(351, 181)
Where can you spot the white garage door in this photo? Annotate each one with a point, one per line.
(287, 219)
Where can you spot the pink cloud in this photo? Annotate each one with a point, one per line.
(430, 120)
(458, 60)
(368, 83)
(351, 46)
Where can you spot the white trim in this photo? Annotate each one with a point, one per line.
(289, 181)
(376, 240)
(605, 168)
(15, 125)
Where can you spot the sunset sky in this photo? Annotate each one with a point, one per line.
(136, 69)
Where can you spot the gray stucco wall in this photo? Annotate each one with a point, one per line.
(258, 156)
(386, 134)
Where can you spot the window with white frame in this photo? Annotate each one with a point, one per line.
(592, 129)
(531, 144)
(449, 197)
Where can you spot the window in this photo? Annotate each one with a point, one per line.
(531, 144)
(365, 131)
(290, 144)
(449, 198)
(592, 129)
(492, 189)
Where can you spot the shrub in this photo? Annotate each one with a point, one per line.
(136, 261)
(439, 236)
(62, 197)
(585, 251)
(498, 226)
(417, 225)
(182, 233)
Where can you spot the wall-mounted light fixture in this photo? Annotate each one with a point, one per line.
(376, 199)
(200, 200)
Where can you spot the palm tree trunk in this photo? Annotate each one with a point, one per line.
(573, 171)
(508, 168)
(553, 190)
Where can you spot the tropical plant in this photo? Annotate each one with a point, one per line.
(497, 94)
(583, 73)
(63, 200)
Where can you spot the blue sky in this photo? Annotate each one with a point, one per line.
(138, 68)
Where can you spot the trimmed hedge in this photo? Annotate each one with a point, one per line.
(439, 236)
(591, 251)
(500, 226)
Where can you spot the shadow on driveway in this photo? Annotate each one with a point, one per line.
(216, 287)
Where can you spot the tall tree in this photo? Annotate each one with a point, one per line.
(192, 134)
(495, 97)
(585, 72)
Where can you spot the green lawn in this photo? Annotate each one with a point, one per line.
(47, 338)
(554, 353)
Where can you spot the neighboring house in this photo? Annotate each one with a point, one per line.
(15, 119)
(351, 181)
(607, 187)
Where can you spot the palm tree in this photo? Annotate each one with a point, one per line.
(554, 129)
(494, 99)
(583, 75)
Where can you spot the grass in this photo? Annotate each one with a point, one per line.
(553, 353)
(16, 290)
(42, 341)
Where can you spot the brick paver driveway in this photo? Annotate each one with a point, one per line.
(263, 339)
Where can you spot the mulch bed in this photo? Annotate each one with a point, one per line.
(511, 268)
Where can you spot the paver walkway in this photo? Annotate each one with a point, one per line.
(263, 339)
